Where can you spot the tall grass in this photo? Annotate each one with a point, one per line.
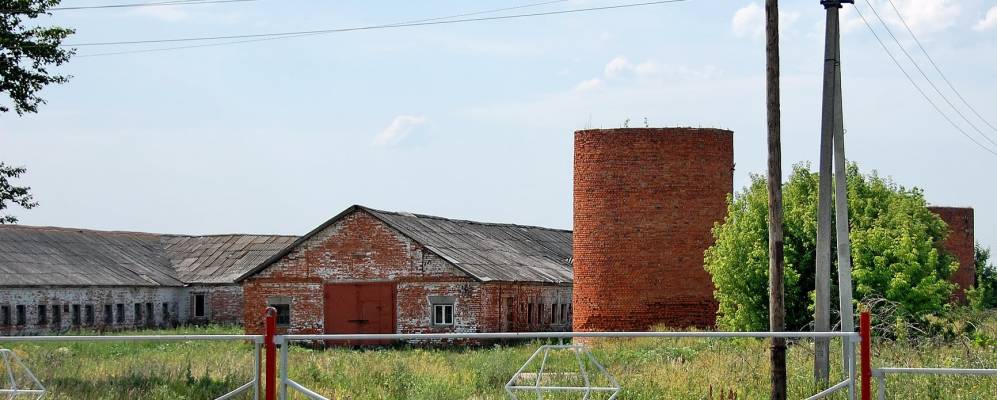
(646, 368)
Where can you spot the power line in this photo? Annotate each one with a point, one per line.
(129, 5)
(939, 70)
(373, 27)
(930, 81)
(494, 10)
(912, 82)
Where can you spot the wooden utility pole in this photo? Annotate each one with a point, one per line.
(777, 309)
(831, 131)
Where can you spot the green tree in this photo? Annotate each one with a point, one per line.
(984, 294)
(27, 51)
(896, 250)
(10, 194)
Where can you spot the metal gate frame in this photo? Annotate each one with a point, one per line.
(283, 343)
(880, 374)
(256, 339)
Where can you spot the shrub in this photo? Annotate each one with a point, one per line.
(896, 250)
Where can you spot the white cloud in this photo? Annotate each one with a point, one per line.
(588, 85)
(749, 21)
(923, 16)
(400, 129)
(620, 70)
(989, 21)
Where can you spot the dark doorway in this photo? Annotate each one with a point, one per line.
(360, 308)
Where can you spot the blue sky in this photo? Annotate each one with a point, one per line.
(468, 120)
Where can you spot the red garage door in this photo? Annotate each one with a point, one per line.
(360, 308)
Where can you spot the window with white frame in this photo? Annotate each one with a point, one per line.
(441, 310)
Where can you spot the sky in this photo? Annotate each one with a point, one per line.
(472, 120)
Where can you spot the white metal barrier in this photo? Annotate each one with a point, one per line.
(257, 340)
(880, 374)
(851, 340)
(10, 362)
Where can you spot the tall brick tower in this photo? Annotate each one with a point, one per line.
(962, 245)
(645, 200)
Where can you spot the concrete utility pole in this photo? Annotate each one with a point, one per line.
(777, 309)
(831, 132)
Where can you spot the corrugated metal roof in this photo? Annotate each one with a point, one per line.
(490, 251)
(31, 256)
(220, 258)
(35, 256)
(486, 251)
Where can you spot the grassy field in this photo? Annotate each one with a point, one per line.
(647, 369)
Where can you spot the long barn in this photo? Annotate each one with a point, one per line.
(57, 279)
(373, 271)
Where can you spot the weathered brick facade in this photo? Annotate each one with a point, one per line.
(87, 307)
(223, 304)
(645, 201)
(360, 248)
(961, 244)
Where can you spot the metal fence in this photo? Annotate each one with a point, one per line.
(277, 380)
(283, 343)
(253, 384)
(880, 374)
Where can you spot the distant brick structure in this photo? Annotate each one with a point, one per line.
(961, 244)
(372, 271)
(645, 201)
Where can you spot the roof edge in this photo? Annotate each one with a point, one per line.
(287, 249)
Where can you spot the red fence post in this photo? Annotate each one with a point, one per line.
(866, 332)
(271, 353)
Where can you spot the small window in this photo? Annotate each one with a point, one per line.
(442, 314)
(564, 314)
(166, 312)
(4, 315)
(57, 315)
(150, 314)
(108, 314)
(553, 314)
(89, 313)
(21, 314)
(42, 314)
(529, 314)
(138, 314)
(283, 307)
(199, 309)
(76, 314)
(120, 308)
(540, 313)
(442, 310)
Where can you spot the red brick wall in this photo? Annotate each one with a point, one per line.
(644, 203)
(961, 244)
(518, 298)
(223, 303)
(360, 248)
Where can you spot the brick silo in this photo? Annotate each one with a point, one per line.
(645, 200)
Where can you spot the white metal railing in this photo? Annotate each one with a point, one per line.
(851, 340)
(10, 360)
(880, 374)
(256, 339)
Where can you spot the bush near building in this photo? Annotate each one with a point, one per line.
(896, 250)
(984, 294)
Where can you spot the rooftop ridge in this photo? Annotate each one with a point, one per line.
(121, 232)
(417, 215)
